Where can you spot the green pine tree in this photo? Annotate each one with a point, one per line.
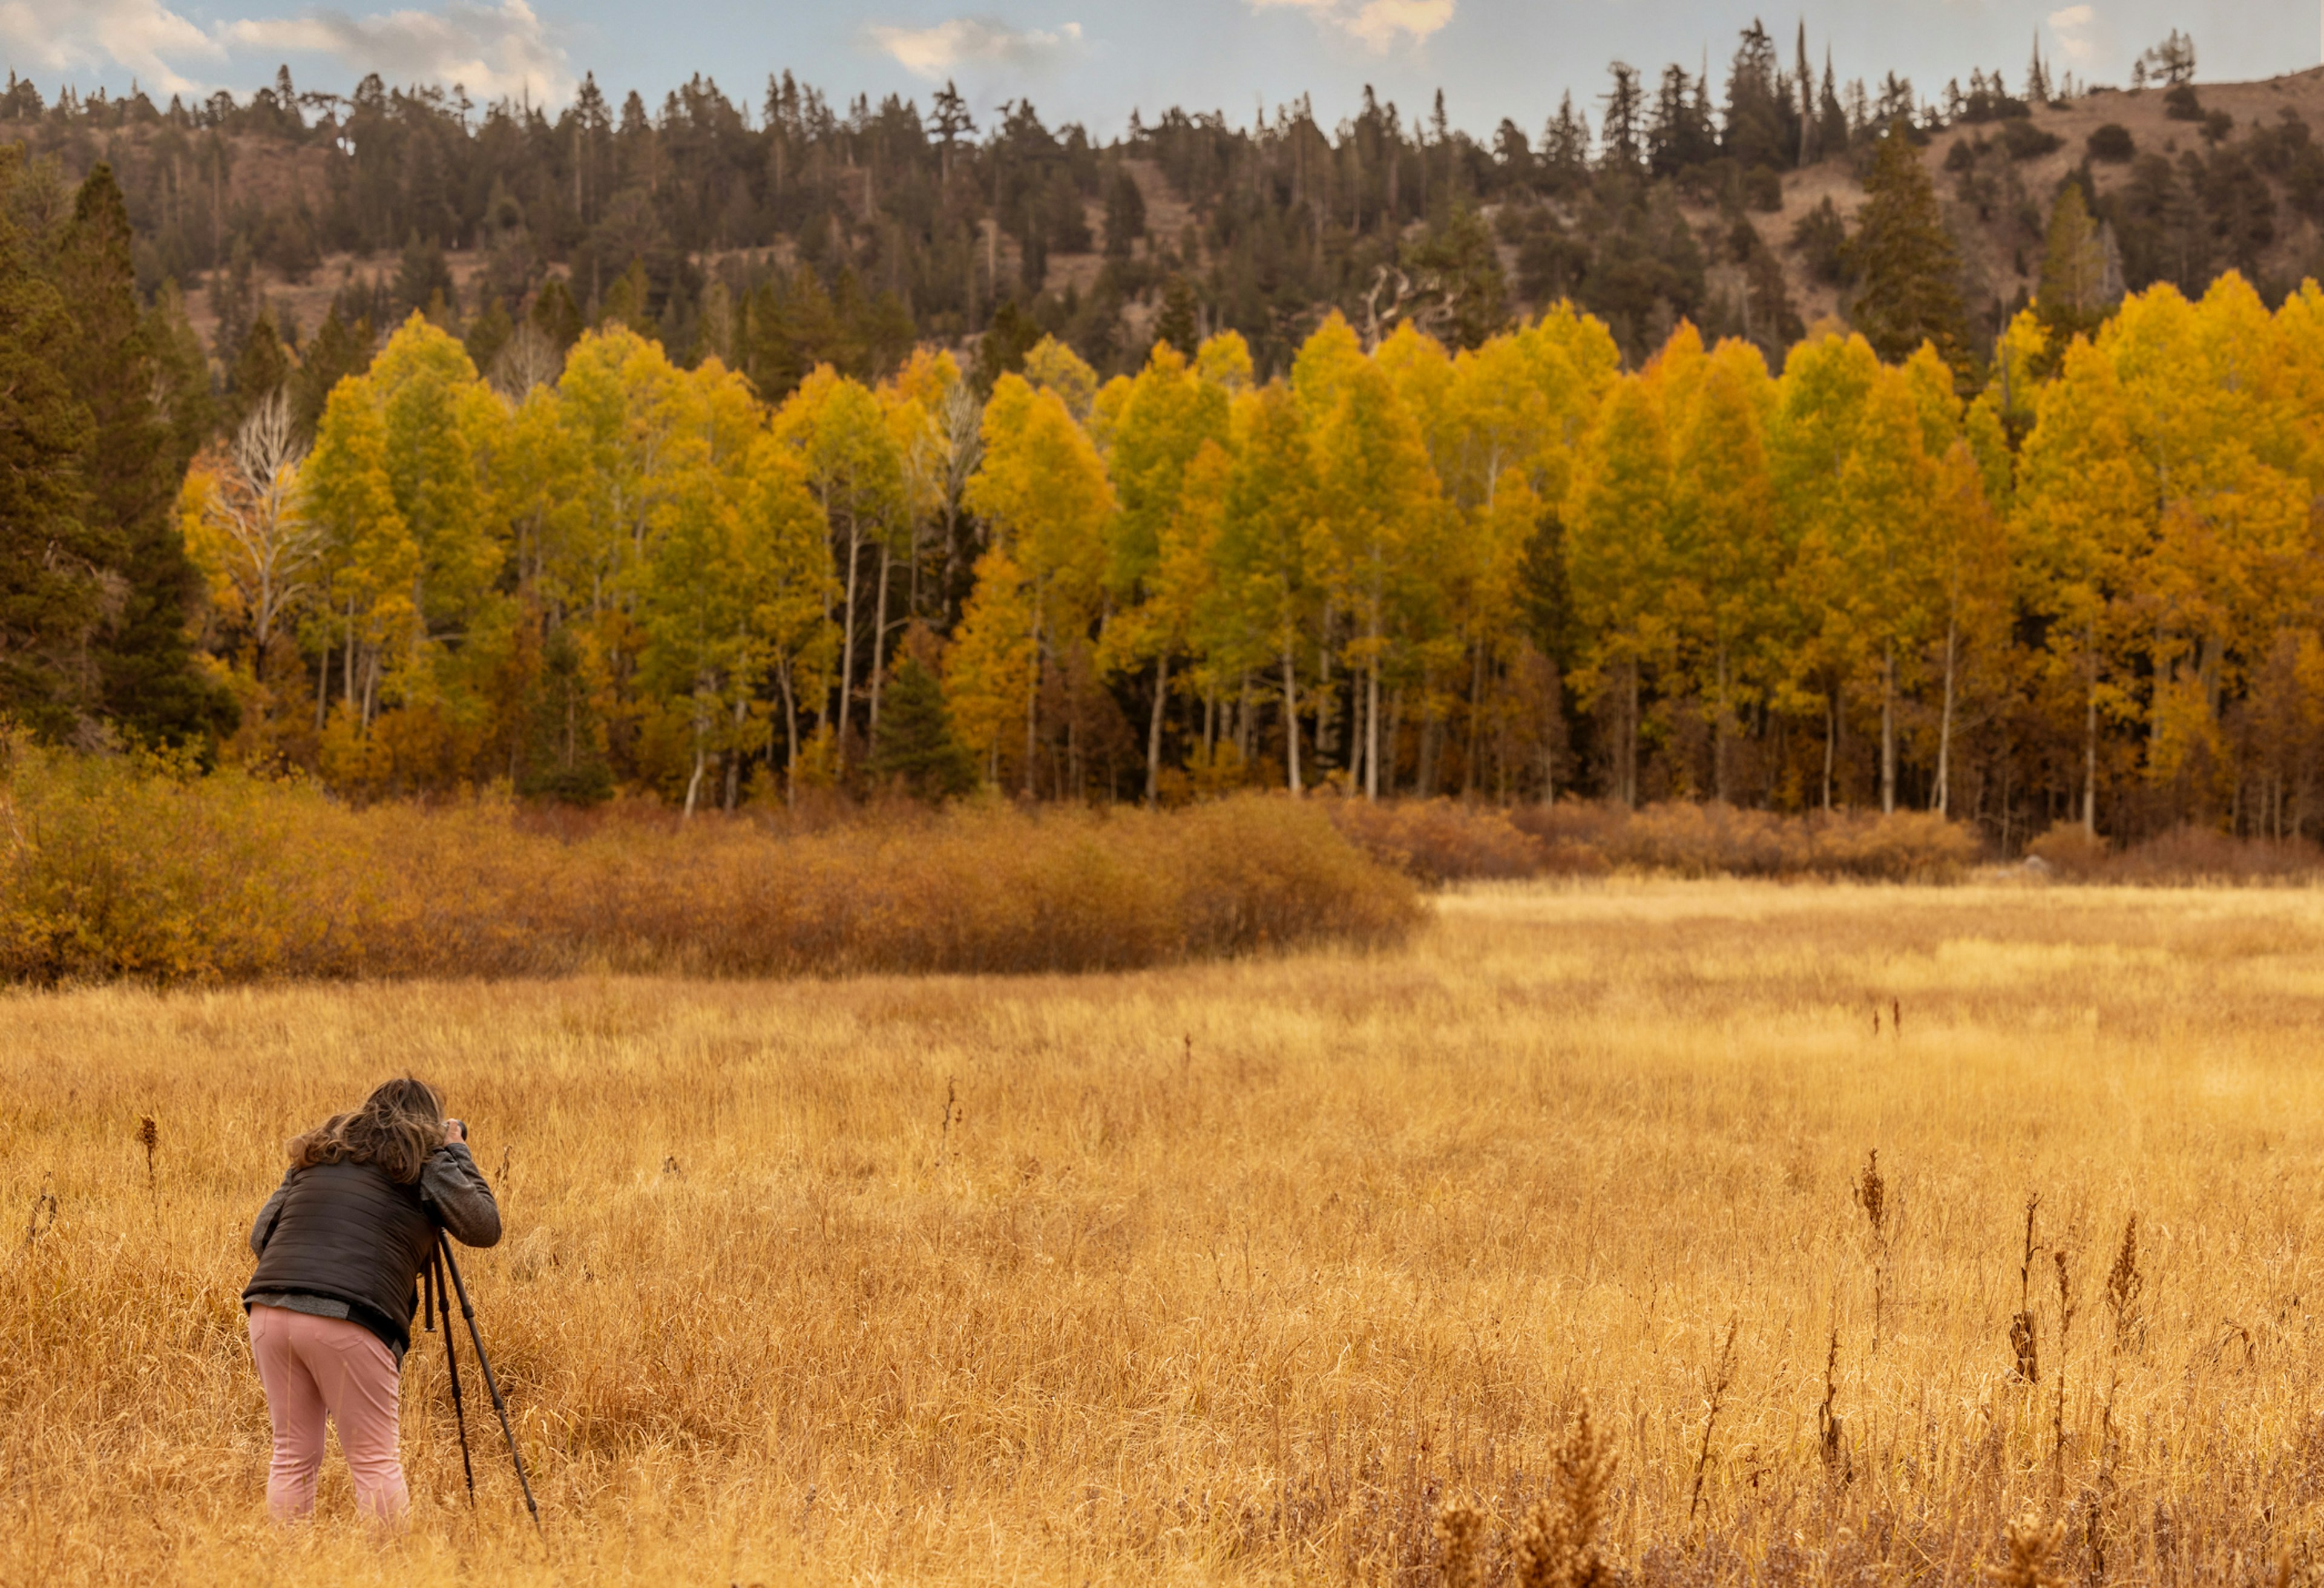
(565, 740)
(915, 745)
(1907, 270)
(1457, 271)
(488, 333)
(555, 314)
(47, 591)
(1175, 325)
(1006, 341)
(2073, 297)
(259, 372)
(146, 680)
(336, 351)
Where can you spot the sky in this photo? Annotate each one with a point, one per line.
(1082, 60)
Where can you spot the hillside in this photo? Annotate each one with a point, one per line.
(920, 226)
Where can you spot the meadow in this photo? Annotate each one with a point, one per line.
(1304, 1266)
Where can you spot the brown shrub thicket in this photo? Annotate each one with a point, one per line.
(111, 868)
(2183, 857)
(1439, 841)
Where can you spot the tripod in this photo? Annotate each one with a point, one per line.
(439, 1264)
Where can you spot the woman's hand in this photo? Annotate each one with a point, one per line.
(456, 1131)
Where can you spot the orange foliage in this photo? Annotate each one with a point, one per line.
(113, 869)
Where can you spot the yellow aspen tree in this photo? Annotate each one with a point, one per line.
(1820, 399)
(1224, 361)
(922, 400)
(2082, 520)
(1042, 488)
(1377, 508)
(1725, 558)
(441, 426)
(1969, 545)
(1323, 367)
(990, 669)
(856, 471)
(786, 547)
(1169, 415)
(369, 555)
(1618, 560)
(699, 665)
(1886, 489)
(724, 562)
(1052, 366)
(1265, 575)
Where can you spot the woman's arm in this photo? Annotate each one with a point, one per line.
(263, 1225)
(453, 1185)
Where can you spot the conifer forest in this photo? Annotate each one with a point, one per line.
(1763, 437)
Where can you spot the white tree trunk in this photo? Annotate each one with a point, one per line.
(1290, 715)
(847, 644)
(1942, 803)
(1371, 730)
(1154, 730)
(1889, 732)
(694, 783)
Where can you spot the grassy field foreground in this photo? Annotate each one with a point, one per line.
(1240, 1272)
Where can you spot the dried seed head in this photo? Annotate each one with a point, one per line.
(2125, 1283)
(2026, 1348)
(1460, 1534)
(2031, 1543)
(1558, 1546)
(1872, 1195)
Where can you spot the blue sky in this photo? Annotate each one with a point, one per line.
(1079, 60)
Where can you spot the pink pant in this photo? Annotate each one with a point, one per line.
(311, 1366)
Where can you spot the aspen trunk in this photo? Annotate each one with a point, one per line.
(694, 783)
(1942, 803)
(1476, 714)
(1630, 736)
(1889, 732)
(1372, 729)
(1033, 707)
(1290, 717)
(2090, 744)
(1154, 730)
(1719, 736)
(790, 736)
(879, 637)
(1831, 737)
(847, 644)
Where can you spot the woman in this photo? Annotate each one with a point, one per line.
(340, 1245)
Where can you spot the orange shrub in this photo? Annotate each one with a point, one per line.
(117, 870)
(2184, 856)
(1437, 841)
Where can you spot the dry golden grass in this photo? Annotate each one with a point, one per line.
(1242, 1272)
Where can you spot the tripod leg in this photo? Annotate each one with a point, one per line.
(439, 1304)
(500, 1405)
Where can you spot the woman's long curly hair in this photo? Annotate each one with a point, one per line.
(397, 1127)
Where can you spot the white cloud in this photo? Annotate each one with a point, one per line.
(145, 36)
(2077, 31)
(936, 52)
(1377, 24)
(490, 50)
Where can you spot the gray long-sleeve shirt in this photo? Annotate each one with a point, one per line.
(451, 1185)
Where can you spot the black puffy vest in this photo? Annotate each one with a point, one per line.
(347, 1231)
